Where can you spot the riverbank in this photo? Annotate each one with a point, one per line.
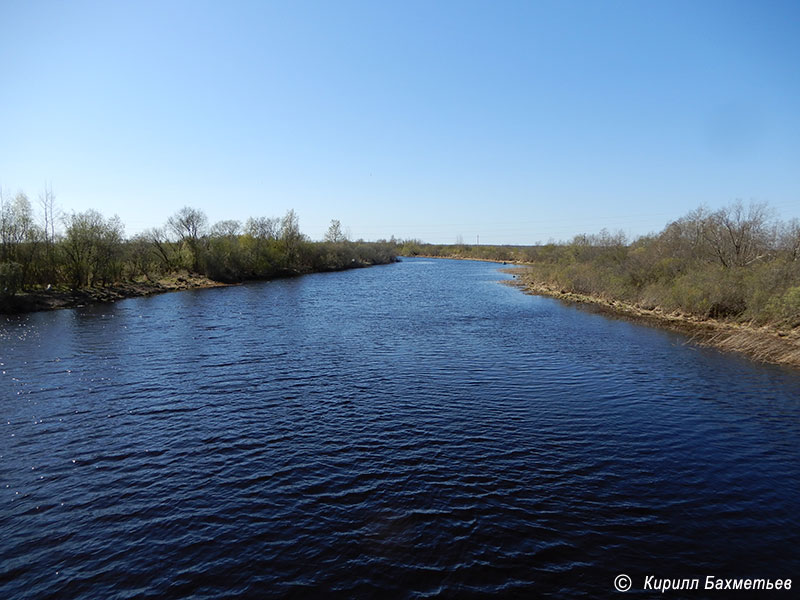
(764, 343)
(52, 299)
(56, 298)
(458, 257)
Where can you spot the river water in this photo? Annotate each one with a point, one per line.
(411, 430)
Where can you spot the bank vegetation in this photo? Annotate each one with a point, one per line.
(731, 276)
(48, 254)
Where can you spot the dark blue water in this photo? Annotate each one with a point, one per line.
(413, 430)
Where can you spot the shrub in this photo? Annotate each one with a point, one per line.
(10, 278)
(786, 308)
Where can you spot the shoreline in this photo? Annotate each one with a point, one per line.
(55, 299)
(491, 260)
(760, 343)
(763, 343)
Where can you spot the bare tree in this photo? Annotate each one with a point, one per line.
(47, 202)
(229, 229)
(335, 233)
(739, 236)
(159, 240)
(189, 224)
(789, 239)
(263, 228)
(684, 238)
(290, 235)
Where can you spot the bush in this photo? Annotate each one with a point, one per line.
(786, 308)
(10, 278)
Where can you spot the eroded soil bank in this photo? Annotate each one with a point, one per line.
(764, 343)
(58, 298)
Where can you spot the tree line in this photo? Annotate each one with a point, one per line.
(45, 249)
(737, 263)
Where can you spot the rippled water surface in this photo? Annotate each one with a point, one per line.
(413, 430)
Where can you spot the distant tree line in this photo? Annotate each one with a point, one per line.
(737, 263)
(85, 249)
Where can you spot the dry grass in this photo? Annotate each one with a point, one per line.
(765, 343)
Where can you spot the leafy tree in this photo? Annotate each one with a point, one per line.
(142, 256)
(19, 236)
(225, 260)
(93, 247)
(16, 225)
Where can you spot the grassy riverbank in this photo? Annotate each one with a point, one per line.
(730, 278)
(765, 343)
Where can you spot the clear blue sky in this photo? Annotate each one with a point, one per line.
(515, 121)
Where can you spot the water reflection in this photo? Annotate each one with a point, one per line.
(408, 430)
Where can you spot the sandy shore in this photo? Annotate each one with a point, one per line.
(764, 344)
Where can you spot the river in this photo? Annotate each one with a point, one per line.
(411, 430)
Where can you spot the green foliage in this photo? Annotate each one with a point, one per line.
(411, 248)
(93, 251)
(786, 307)
(733, 263)
(10, 278)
